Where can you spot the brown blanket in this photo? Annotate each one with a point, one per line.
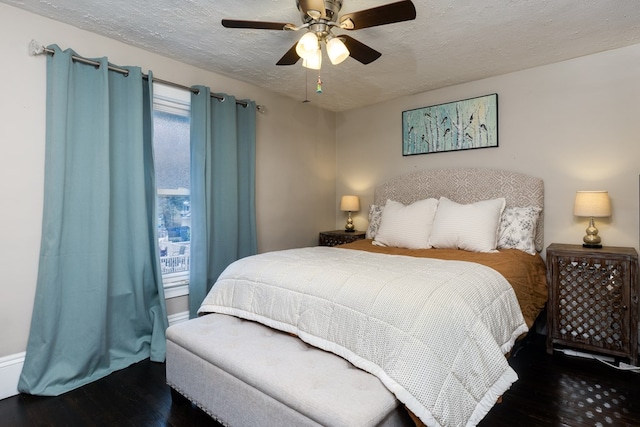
(526, 273)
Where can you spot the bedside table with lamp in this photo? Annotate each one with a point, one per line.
(348, 204)
(593, 290)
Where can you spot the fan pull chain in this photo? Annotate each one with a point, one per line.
(306, 86)
(319, 85)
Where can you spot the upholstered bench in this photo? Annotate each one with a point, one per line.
(245, 374)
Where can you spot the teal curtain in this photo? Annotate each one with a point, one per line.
(223, 222)
(99, 303)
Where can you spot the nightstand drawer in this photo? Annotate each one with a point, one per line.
(339, 237)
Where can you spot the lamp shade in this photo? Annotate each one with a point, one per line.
(350, 203)
(308, 45)
(337, 51)
(592, 203)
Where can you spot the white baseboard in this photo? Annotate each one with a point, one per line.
(10, 368)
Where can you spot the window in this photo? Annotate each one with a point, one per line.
(171, 122)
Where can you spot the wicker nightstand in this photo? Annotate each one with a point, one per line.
(339, 237)
(593, 299)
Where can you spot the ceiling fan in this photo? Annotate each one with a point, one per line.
(319, 17)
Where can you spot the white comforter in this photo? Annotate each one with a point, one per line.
(434, 332)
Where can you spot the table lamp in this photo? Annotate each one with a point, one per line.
(349, 204)
(592, 204)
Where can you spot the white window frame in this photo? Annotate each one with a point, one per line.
(172, 100)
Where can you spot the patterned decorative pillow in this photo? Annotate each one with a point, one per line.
(375, 215)
(518, 229)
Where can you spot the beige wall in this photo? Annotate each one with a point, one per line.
(295, 172)
(576, 124)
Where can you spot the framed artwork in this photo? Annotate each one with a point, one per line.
(461, 125)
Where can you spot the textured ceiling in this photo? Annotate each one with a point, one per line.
(450, 42)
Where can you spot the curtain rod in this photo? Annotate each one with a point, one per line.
(38, 49)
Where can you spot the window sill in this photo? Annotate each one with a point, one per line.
(176, 288)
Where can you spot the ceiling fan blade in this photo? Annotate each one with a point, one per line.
(313, 5)
(258, 25)
(360, 51)
(289, 58)
(381, 15)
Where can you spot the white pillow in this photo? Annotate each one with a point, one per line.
(472, 227)
(518, 229)
(406, 226)
(375, 213)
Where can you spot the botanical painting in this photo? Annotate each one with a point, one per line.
(461, 125)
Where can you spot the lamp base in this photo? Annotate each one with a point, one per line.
(349, 227)
(592, 245)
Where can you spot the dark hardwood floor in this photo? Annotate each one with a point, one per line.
(559, 390)
(553, 390)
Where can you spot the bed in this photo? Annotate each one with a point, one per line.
(427, 307)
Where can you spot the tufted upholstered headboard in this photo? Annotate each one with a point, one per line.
(467, 185)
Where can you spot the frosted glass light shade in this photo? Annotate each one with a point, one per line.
(308, 45)
(592, 203)
(314, 62)
(337, 51)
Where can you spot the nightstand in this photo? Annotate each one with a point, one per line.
(339, 237)
(593, 299)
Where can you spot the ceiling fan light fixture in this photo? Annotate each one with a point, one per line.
(308, 45)
(313, 62)
(337, 50)
(319, 17)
